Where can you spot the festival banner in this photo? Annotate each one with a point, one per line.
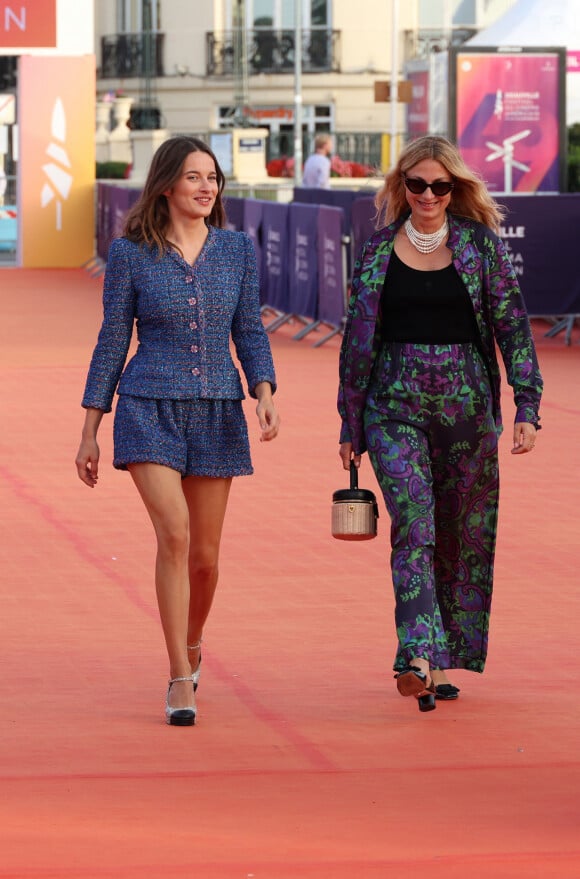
(56, 98)
(533, 228)
(507, 115)
(28, 24)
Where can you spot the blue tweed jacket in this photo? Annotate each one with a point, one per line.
(483, 265)
(185, 317)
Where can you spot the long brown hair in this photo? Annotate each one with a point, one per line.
(469, 197)
(148, 220)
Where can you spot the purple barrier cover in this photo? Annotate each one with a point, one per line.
(362, 221)
(102, 220)
(340, 198)
(306, 195)
(119, 205)
(108, 218)
(234, 213)
(331, 304)
(275, 255)
(253, 227)
(303, 262)
(113, 204)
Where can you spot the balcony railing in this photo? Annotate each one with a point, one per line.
(273, 51)
(421, 43)
(126, 55)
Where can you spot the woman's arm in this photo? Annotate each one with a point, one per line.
(116, 330)
(511, 328)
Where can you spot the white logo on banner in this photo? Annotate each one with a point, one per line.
(59, 180)
(505, 152)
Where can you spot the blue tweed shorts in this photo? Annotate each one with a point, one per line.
(194, 437)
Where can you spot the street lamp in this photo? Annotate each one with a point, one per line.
(297, 92)
(241, 84)
(146, 115)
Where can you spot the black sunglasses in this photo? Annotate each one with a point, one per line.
(417, 185)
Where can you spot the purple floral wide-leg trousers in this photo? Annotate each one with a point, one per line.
(432, 441)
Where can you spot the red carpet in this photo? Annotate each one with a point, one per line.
(305, 763)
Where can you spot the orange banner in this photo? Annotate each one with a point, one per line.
(56, 97)
(29, 23)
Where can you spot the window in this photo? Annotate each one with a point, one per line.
(279, 14)
(133, 15)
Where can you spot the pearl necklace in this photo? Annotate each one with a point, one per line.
(426, 243)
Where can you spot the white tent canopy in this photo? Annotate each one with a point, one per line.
(534, 23)
(546, 23)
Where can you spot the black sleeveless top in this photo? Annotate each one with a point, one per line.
(429, 308)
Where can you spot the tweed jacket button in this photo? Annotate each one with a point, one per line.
(193, 325)
(192, 301)
(194, 349)
(195, 371)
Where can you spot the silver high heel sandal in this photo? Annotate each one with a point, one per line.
(197, 671)
(179, 716)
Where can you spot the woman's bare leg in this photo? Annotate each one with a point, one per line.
(207, 500)
(162, 493)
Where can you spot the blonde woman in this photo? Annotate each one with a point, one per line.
(433, 293)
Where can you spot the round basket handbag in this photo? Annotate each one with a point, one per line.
(354, 511)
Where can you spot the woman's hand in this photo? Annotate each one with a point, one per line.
(267, 412)
(87, 462)
(524, 438)
(345, 452)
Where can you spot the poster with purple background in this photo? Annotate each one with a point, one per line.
(507, 114)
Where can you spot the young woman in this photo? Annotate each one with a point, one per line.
(179, 427)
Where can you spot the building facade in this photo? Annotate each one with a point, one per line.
(204, 65)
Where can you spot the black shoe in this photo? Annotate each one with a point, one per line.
(411, 681)
(180, 716)
(426, 702)
(446, 692)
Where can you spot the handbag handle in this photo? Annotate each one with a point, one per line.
(353, 476)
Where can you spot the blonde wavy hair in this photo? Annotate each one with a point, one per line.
(469, 197)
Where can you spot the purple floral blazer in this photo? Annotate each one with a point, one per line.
(483, 265)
